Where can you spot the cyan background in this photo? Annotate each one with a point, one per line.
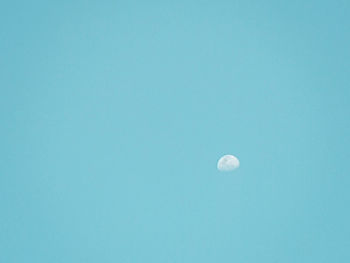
(114, 114)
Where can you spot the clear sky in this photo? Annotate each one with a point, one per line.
(114, 114)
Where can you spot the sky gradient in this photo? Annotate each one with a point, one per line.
(114, 114)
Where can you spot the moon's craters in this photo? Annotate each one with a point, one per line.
(228, 163)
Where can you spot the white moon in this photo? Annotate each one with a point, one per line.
(228, 163)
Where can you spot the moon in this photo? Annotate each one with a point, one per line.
(228, 163)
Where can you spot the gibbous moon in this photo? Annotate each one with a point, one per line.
(228, 163)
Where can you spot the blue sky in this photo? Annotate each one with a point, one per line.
(114, 114)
